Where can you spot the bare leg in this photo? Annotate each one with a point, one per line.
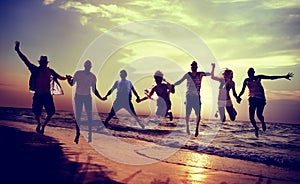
(222, 114)
(76, 140)
(187, 119)
(78, 111)
(197, 125)
(170, 114)
(48, 118)
(232, 112)
(38, 127)
(139, 122)
(133, 113)
(115, 108)
(252, 119)
(188, 111)
(259, 112)
(89, 112)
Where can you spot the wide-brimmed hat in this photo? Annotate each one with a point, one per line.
(43, 59)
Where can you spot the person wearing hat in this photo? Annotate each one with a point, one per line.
(163, 90)
(39, 84)
(193, 100)
(85, 81)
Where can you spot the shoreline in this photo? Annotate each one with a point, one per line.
(92, 166)
(142, 115)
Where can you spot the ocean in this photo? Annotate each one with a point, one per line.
(278, 147)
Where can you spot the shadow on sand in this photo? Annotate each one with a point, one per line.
(30, 158)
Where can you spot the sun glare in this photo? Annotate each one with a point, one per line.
(196, 173)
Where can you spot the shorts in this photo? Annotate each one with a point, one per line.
(193, 102)
(256, 102)
(40, 100)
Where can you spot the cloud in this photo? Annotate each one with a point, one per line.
(176, 10)
(275, 4)
(229, 1)
(293, 95)
(48, 2)
(234, 29)
(84, 20)
(124, 12)
(4, 84)
(83, 8)
(266, 62)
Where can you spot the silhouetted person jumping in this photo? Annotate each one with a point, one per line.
(257, 99)
(85, 81)
(163, 90)
(224, 100)
(123, 99)
(193, 100)
(39, 83)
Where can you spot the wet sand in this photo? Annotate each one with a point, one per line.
(28, 157)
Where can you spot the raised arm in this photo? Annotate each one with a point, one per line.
(213, 77)
(181, 80)
(21, 55)
(287, 76)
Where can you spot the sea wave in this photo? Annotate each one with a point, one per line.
(278, 146)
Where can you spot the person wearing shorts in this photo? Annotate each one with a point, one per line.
(39, 83)
(193, 99)
(257, 99)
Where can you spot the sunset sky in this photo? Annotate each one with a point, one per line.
(143, 36)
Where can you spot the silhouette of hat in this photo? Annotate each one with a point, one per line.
(194, 63)
(43, 59)
(158, 73)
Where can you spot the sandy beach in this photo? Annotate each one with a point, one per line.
(28, 157)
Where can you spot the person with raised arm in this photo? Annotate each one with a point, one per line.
(257, 99)
(224, 100)
(40, 84)
(193, 100)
